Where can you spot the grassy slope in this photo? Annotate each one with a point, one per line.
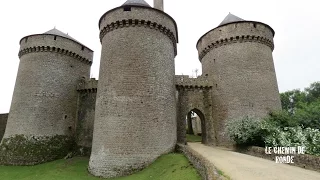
(171, 167)
(193, 138)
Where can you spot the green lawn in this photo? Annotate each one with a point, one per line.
(167, 167)
(193, 138)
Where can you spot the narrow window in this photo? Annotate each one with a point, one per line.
(55, 37)
(255, 25)
(127, 8)
(26, 40)
(82, 48)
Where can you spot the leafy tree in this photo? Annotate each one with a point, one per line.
(283, 119)
(291, 100)
(309, 115)
(313, 92)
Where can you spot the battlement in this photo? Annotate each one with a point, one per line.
(56, 50)
(139, 23)
(88, 86)
(236, 39)
(140, 17)
(56, 44)
(185, 82)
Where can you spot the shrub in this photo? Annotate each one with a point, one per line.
(295, 136)
(245, 131)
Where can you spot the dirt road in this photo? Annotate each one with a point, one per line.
(244, 167)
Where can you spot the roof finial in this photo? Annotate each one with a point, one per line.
(54, 27)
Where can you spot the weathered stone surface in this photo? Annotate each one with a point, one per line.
(135, 118)
(85, 119)
(3, 124)
(44, 102)
(194, 94)
(237, 59)
(30, 150)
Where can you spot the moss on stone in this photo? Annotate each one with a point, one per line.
(30, 150)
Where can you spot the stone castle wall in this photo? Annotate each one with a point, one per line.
(85, 117)
(3, 124)
(237, 57)
(44, 105)
(195, 94)
(135, 118)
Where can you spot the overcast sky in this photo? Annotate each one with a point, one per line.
(296, 23)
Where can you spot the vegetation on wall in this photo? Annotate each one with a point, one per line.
(297, 124)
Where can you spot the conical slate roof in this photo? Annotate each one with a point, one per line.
(55, 31)
(230, 18)
(136, 3)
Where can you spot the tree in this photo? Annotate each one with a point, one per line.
(292, 100)
(313, 92)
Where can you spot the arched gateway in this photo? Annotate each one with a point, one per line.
(194, 95)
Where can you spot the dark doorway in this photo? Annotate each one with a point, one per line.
(195, 125)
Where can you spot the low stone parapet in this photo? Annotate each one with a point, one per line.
(205, 168)
(301, 160)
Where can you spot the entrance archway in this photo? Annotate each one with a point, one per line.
(195, 124)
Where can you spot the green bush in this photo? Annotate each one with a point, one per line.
(256, 132)
(295, 136)
(246, 131)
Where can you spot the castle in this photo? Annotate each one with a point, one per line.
(137, 110)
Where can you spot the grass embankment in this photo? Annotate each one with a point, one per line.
(193, 138)
(171, 167)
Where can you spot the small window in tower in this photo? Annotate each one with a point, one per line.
(82, 48)
(127, 8)
(214, 60)
(55, 37)
(255, 25)
(26, 40)
(216, 85)
(65, 116)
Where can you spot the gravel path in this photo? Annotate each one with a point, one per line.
(244, 167)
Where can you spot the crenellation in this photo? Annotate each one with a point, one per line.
(90, 86)
(125, 23)
(235, 39)
(53, 49)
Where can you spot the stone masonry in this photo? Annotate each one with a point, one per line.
(137, 110)
(237, 58)
(44, 103)
(3, 123)
(140, 43)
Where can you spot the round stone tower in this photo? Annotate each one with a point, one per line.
(42, 116)
(237, 57)
(135, 117)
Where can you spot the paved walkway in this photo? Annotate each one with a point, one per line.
(244, 167)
